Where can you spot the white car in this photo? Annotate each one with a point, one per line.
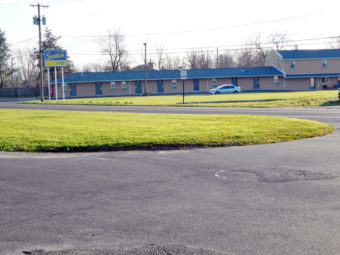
(226, 89)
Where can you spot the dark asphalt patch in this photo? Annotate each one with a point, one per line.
(288, 175)
(151, 249)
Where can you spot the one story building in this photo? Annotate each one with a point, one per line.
(285, 70)
(169, 81)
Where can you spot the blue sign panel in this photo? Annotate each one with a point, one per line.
(55, 58)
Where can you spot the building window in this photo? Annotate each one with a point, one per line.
(174, 84)
(113, 86)
(124, 86)
(214, 83)
(276, 81)
(324, 63)
(324, 79)
(293, 64)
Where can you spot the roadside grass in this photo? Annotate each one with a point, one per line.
(61, 131)
(290, 99)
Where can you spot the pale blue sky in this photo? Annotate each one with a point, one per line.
(177, 25)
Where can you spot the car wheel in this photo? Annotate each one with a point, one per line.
(217, 92)
(235, 92)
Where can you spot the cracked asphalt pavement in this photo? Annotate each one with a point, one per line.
(263, 199)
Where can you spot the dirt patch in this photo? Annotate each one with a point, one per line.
(151, 249)
(288, 175)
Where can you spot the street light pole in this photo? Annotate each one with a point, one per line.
(145, 71)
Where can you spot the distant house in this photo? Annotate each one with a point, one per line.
(307, 69)
(285, 70)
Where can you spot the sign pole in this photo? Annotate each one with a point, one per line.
(49, 84)
(55, 84)
(62, 82)
(183, 90)
(183, 77)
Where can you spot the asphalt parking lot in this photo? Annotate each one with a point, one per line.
(264, 199)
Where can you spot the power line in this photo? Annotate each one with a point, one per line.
(203, 29)
(26, 40)
(221, 47)
(225, 48)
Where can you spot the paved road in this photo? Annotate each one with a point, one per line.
(325, 114)
(264, 199)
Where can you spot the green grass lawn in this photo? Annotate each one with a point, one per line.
(291, 99)
(38, 130)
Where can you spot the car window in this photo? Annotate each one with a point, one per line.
(224, 87)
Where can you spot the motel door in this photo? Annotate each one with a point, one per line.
(160, 87)
(256, 83)
(338, 82)
(52, 91)
(234, 81)
(138, 87)
(312, 83)
(196, 85)
(73, 90)
(99, 89)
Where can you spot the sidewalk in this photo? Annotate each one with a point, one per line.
(16, 99)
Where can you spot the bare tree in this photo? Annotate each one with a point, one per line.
(173, 63)
(335, 44)
(261, 52)
(94, 67)
(193, 59)
(27, 68)
(160, 57)
(199, 59)
(279, 40)
(113, 45)
(224, 60)
(245, 58)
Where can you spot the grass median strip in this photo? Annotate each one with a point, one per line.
(61, 131)
(287, 99)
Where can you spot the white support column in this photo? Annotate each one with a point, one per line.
(55, 84)
(49, 83)
(62, 82)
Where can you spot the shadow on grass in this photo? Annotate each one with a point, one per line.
(331, 103)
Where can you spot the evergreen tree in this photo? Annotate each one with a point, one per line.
(4, 57)
(50, 42)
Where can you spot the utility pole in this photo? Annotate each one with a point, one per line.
(145, 71)
(217, 58)
(12, 76)
(37, 21)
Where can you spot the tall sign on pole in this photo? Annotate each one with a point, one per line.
(56, 58)
(37, 21)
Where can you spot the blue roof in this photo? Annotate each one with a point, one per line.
(172, 74)
(312, 75)
(309, 54)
